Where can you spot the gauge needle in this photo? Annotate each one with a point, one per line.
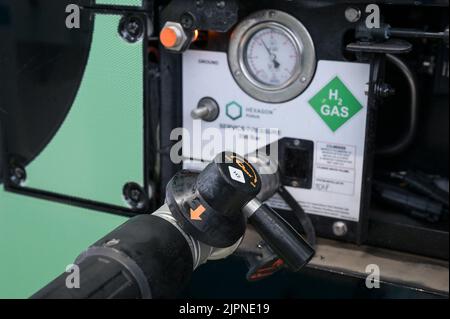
(273, 57)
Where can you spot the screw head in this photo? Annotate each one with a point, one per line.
(340, 229)
(384, 90)
(352, 14)
(135, 196)
(18, 175)
(131, 28)
(187, 21)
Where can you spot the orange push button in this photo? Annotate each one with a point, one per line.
(170, 37)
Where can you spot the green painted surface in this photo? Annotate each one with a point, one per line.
(97, 150)
(38, 239)
(121, 2)
(99, 147)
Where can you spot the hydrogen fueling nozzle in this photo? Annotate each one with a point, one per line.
(215, 206)
(208, 206)
(261, 258)
(205, 218)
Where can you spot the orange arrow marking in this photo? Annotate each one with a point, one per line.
(197, 214)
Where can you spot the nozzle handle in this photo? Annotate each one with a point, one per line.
(280, 235)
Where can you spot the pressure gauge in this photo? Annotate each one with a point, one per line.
(272, 56)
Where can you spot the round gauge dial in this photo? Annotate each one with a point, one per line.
(272, 57)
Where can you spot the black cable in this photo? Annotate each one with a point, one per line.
(415, 205)
(301, 215)
(421, 184)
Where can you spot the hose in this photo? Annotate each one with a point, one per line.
(301, 215)
(408, 139)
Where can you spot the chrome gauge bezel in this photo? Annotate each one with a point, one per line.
(299, 35)
(243, 59)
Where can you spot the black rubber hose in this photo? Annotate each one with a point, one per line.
(408, 139)
(100, 278)
(145, 258)
(282, 238)
(301, 215)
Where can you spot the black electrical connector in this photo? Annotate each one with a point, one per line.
(414, 193)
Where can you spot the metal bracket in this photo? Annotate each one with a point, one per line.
(392, 46)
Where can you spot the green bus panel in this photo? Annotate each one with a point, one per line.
(99, 147)
(38, 239)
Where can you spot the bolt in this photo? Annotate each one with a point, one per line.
(200, 113)
(340, 229)
(297, 143)
(18, 175)
(352, 14)
(187, 21)
(131, 28)
(221, 4)
(384, 90)
(295, 184)
(207, 110)
(19, 172)
(429, 66)
(134, 195)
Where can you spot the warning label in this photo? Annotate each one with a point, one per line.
(335, 168)
(336, 155)
(313, 208)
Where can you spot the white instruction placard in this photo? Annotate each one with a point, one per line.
(331, 113)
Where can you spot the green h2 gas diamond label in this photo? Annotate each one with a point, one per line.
(335, 104)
